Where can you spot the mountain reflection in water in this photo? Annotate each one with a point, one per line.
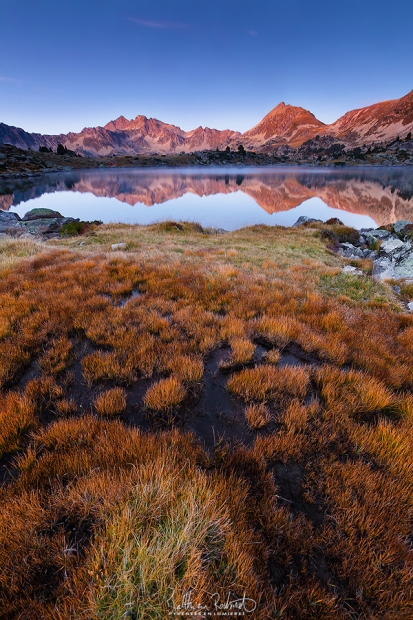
(383, 194)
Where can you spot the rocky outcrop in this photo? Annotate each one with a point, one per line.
(391, 250)
(44, 223)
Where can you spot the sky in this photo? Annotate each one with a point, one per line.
(69, 64)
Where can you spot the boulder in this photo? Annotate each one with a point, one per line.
(393, 246)
(9, 217)
(303, 219)
(401, 225)
(8, 221)
(388, 267)
(36, 214)
(370, 253)
(410, 306)
(348, 250)
(118, 246)
(349, 269)
(371, 235)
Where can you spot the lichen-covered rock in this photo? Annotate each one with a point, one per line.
(401, 225)
(394, 246)
(8, 220)
(37, 214)
(348, 250)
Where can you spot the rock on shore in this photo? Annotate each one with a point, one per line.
(37, 222)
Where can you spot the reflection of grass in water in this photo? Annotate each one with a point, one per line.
(103, 518)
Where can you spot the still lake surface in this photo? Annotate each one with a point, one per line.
(228, 198)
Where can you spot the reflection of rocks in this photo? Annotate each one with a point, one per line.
(6, 202)
(386, 196)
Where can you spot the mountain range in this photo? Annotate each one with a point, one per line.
(284, 125)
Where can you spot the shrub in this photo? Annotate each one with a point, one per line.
(72, 229)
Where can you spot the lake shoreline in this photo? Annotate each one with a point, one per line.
(16, 163)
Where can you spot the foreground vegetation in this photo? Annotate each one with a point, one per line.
(207, 414)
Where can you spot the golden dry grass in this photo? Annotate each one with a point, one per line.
(272, 356)
(17, 416)
(265, 382)
(257, 415)
(111, 403)
(164, 394)
(311, 521)
(186, 368)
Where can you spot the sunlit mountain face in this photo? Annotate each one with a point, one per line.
(283, 125)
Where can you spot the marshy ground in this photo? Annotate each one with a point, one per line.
(203, 413)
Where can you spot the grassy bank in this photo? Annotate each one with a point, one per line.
(202, 413)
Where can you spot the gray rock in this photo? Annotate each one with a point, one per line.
(118, 246)
(303, 219)
(400, 225)
(217, 231)
(389, 267)
(410, 306)
(8, 220)
(8, 217)
(36, 214)
(392, 246)
(397, 289)
(376, 234)
(350, 251)
(349, 269)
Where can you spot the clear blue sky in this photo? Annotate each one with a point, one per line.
(67, 64)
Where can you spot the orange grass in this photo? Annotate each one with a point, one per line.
(272, 357)
(257, 415)
(111, 403)
(164, 394)
(187, 369)
(17, 416)
(268, 382)
(311, 521)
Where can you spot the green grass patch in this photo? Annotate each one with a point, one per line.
(359, 289)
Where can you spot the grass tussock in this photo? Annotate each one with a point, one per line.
(164, 395)
(257, 415)
(111, 403)
(188, 369)
(266, 382)
(272, 356)
(354, 391)
(17, 416)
